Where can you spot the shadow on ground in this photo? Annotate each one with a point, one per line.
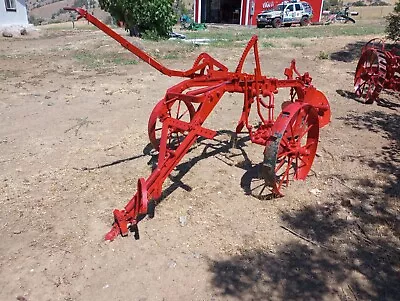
(344, 249)
(381, 101)
(351, 52)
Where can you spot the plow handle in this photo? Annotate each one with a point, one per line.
(129, 46)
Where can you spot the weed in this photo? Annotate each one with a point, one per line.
(98, 60)
(323, 55)
(298, 44)
(171, 55)
(267, 45)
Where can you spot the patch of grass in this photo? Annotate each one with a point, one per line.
(124, 61)
(267, 45)
(96, 60)
(298, 44)
(323, 55)
(170, 50)
(68, 26)
(231, 35)
(170, 55)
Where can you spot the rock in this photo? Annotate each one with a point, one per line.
(183, 220)
(7, 34)
(172, 264)
(23, 32)
(346, 203)
(315, 191)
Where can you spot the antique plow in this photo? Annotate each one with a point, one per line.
(377, 69)
(176, 122)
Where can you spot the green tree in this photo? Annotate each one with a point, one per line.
(393, 23)
(151, 18)
(333, 5)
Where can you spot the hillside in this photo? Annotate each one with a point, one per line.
(53, 9)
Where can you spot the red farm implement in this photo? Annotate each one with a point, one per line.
(176, 122)
(377, 69)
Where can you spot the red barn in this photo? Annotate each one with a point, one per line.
(243, 12)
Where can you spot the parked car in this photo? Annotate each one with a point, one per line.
(286, 14)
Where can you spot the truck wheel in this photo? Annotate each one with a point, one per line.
(304, 21)
(276, 23)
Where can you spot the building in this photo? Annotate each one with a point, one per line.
(13, 13)
(243, 12)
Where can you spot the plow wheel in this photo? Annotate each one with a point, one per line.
(174, 108)
(289, 156)
(370, 75)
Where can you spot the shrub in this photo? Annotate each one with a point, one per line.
(379, 3)
(393, 23)
(153, 17)
(359, 3)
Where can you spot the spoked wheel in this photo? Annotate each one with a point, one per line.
(376, 43)
(175, 108)
(290, 153)
(370, 75)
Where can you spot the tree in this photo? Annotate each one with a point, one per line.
(333, 5)
(151, 18)
(393, 23)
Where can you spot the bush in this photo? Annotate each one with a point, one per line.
(380, 3)
(359, 3)
(393, 23)
(81, 3)
(35, 21)
(155, 18)
(333, 4)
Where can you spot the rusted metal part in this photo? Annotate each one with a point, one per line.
(377, 69)
(176, 122)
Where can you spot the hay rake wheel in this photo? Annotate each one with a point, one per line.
(167, 108)
(370, 75)
(176, 122)
(290, 156)
(377, 69)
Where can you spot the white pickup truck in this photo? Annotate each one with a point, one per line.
(286, 14)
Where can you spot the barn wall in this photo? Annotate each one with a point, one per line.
(248, 16)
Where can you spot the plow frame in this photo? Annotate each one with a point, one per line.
(289, 140)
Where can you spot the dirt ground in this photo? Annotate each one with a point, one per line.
(74, 99)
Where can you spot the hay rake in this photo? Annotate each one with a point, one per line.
(377, 69)
(176, 122)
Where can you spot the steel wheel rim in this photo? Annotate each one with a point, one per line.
(290, 157)
(297, 149)
(370, 74)
(175, 108)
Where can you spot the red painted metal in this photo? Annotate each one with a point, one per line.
(176, 122)
(377, 69)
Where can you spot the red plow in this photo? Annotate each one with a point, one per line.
(176, 122)
(377, 69)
